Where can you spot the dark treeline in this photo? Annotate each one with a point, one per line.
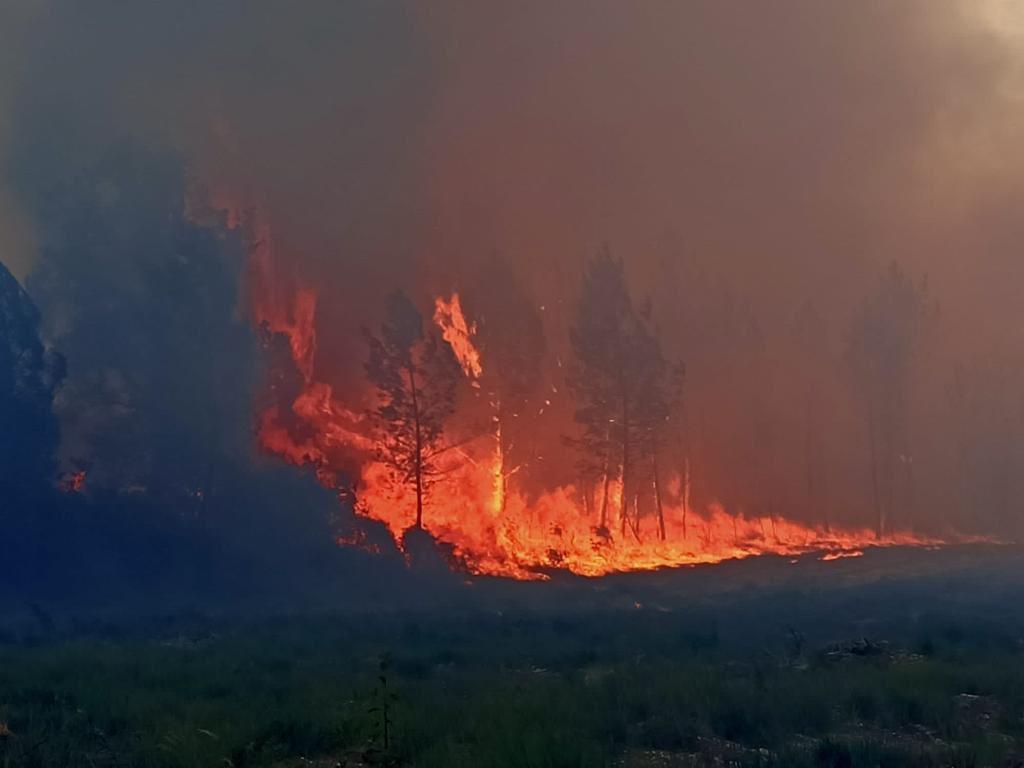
(130, 376)
(128, 469)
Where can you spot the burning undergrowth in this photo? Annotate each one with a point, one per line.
(515, 460)
(826, 403)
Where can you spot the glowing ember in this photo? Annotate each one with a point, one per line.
(73, 482)
(830, 556)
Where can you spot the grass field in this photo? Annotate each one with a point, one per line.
(710, 685)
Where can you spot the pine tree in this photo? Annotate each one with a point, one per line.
(658, 397)
(624, 389)
(882, 344)
(416, 376)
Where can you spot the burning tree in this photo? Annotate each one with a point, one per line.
(659, 395)
(416, 376)
(512, 339)
(624, 388)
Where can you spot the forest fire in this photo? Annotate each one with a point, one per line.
(457, 472)
(523, 385)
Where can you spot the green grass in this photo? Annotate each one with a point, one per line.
(523, 692)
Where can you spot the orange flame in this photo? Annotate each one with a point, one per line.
(492, 526)
(73, 482)
(459, 334)
(830, 556)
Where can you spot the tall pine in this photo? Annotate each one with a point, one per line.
(624, 391)
(416, 376)
(512, 340)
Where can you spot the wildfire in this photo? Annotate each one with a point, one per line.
(555, 532)
(459, 334)
(491, 525)
(73, 482)
(830, 556)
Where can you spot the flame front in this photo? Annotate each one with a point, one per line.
(493, 526)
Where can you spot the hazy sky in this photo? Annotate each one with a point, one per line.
(795, 144)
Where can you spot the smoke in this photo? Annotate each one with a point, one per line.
(757, 166)
(793, 147)
(15, 241)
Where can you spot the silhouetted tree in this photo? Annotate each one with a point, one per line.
(624, 388)
(511, 338)
(142, 300)
(882, 346)
(29, 376)
(659, 395)
(416, 376)
(811, 334)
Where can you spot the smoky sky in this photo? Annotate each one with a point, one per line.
(824, 121)
(744, 159)
(793, 148)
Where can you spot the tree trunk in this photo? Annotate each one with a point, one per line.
(635, 525)
(822, 487)
(418, 458)
(607, 480)
(500, 477)
(873, 456)
(686, 493)
(683, 441)
(910, 495)
(809, 463)
(624, 498)
(657, 496)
